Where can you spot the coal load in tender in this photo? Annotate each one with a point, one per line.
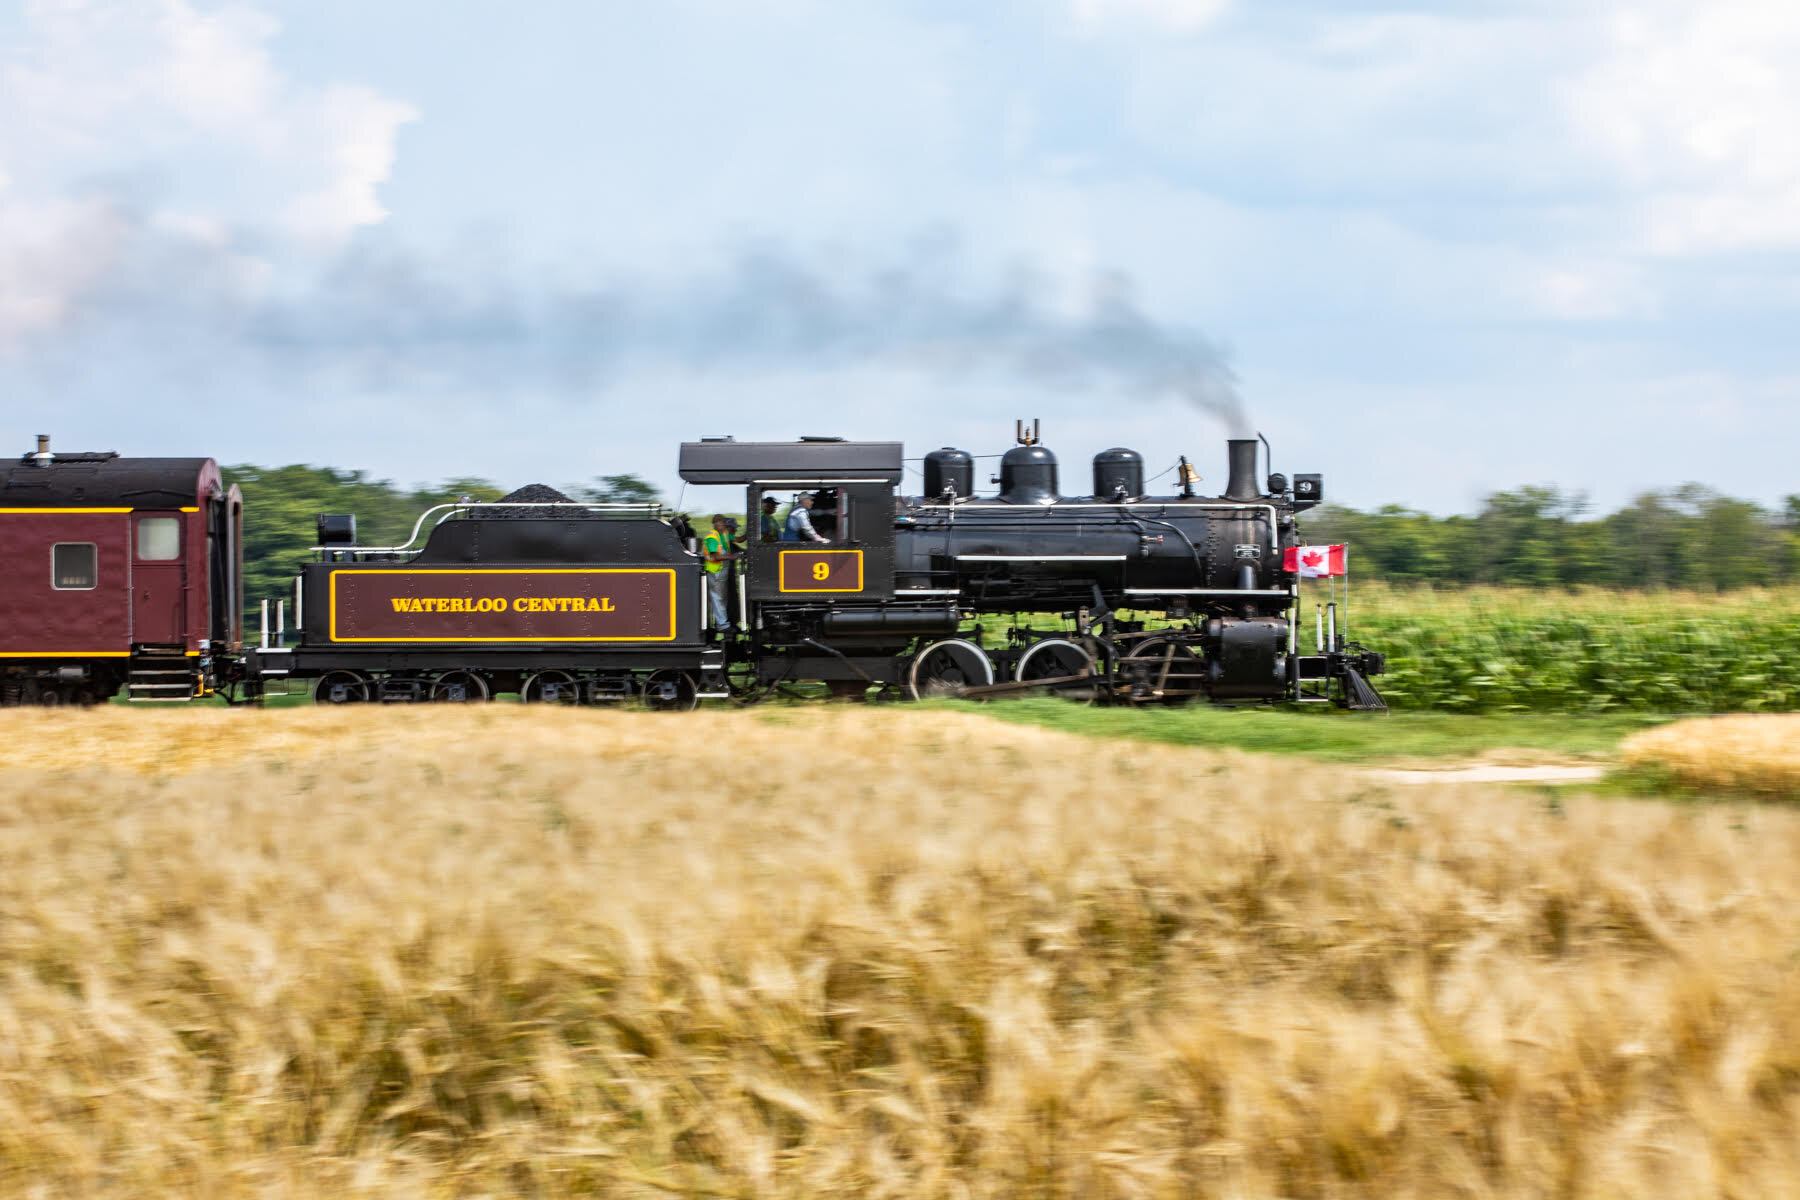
(535, 493)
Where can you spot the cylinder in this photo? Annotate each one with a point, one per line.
(1242, 483)
(949, 475)
(1118, 474)
(1028, 476)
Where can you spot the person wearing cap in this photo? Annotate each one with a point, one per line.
(799, 522)
(717, 550)
(769, 529)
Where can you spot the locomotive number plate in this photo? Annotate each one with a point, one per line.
(503, 605)
(821, 570)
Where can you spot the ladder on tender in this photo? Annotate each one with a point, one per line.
(166, 681)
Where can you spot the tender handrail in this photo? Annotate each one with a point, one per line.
(645, 509)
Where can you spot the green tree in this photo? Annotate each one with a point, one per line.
(620, 489)
(282, 505)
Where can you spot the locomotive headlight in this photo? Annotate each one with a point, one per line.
(1308, 490)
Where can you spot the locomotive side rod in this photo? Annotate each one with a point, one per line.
(1025, 685)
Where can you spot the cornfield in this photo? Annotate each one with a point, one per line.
(1754, 754)
(817, 952)
(1515, 649)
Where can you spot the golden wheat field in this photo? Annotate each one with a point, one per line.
(821, 952)
(1756, 753)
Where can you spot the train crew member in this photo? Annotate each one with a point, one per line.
(717, 550)
(770, 528)
(799, 523)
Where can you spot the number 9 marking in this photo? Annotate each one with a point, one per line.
(821, 571)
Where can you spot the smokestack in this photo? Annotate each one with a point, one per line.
(42, 457)
(1242, 484)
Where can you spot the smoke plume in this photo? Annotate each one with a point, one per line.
(386, 316)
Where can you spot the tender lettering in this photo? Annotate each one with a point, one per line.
(495, 604)
(523, 604)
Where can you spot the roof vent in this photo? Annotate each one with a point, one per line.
(43, 456)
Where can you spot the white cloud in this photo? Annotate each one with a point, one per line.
(140, 126)
(1696, 103)
(1173, 16)
(1596, 291)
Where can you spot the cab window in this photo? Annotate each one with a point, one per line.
(831, 514)
(158, 538)
(74, 567)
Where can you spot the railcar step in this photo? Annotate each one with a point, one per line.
(169, 685)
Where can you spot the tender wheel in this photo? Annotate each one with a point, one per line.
(1163, 671)
(670, 691)
(1057, 658)
(50, 697)
(458, 687)
(341, 687)
(550, 687)
(948, 668)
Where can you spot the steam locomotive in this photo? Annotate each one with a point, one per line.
(1118, 595)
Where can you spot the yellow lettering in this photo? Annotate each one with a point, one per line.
(606, 604)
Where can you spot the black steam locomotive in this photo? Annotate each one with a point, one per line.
(1154, 599)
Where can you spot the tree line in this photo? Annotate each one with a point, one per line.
(1686, 537)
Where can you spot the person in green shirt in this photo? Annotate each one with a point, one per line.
(716, 549)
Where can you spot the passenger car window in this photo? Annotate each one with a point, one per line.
(158, 538)
(74, 567)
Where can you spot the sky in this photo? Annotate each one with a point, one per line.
(1430, 250)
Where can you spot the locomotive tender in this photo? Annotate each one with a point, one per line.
(1163, 599)
(1160, 599)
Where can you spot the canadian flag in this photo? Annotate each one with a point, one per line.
(1314, 562)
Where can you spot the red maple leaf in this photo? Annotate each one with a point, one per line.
(1312, 559)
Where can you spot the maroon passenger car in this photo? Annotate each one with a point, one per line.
(116, 572)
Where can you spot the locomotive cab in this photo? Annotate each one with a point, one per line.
(852, 489)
